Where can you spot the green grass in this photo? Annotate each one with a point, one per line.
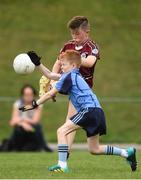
(82, 165)
(41, 25)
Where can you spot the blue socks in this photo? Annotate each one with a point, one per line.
(62, 155)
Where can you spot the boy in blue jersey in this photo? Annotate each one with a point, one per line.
(90, 115)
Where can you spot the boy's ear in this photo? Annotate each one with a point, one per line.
(74, 65)
(86, 29)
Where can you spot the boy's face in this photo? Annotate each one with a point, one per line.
(79, 35)
(66, 66)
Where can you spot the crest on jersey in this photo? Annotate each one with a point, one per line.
(84, 55)
(95, 51)
(80, 100)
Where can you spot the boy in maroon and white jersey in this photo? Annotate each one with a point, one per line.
(81, 42)
(79, 28)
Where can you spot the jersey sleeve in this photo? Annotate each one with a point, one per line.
(64, 84)
(95, 51)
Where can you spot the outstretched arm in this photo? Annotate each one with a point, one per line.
(44, 98)
(35, 58)
(46, 72)
(47, 96)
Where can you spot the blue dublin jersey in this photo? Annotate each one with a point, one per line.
(80, 94)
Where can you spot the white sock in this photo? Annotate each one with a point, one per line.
(124, 153)
(62, 164)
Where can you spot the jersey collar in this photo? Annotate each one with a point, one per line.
(76, 70)
(81, 46)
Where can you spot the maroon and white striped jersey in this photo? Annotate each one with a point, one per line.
(88, 48)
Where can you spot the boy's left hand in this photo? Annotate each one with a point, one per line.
(29, 107)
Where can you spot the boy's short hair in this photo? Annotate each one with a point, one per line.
(72, 56)
(77, 22)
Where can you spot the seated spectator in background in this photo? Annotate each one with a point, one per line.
(27, 133)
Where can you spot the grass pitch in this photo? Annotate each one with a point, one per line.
(82, 165)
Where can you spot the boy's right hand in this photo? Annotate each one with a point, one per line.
(29, 107)
(35, 58)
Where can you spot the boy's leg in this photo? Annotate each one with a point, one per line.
(70, 137)
(62, 133)
(65, 130)
(96, 148)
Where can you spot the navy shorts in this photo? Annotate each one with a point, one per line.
(92, 120)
